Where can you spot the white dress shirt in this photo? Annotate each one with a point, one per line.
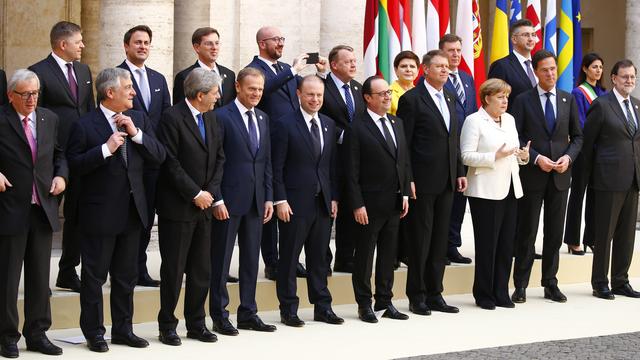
(32, 124)
(63, 66)
(444, 110)
(621, 100)
(112, 123)
(521, 60)
(271, 63)
(376, 120)
(245, 118)
(543, 99)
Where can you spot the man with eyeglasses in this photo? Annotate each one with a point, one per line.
(29, 186)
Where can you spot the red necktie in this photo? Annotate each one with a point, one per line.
(34, 154)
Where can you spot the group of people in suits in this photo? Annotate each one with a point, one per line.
(273, 159)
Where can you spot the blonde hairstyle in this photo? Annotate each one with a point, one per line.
(492, 87)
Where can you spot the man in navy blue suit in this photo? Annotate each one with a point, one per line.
(246, 203)
(461, 84)
(152, 98)
(305, 194)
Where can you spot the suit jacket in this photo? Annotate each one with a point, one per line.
(470, 104)
(3, 88)
(17, 165)
(55, 93)
(566, 137)
(612, 155)
(509, 69)
(334, 106)
(246, 181)
(191, 165)
(434, 151)
(107, 184)
(279, 97)
(377, 177)
(228, 84)
(296, 171)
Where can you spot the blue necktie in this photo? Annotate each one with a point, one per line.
(253, 133)
(457, 86)
(349, 101)
(549, 114)
(201, 128)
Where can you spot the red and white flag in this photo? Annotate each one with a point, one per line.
(438, 22)
(468, 28)
(533, 14)
(371, 38)
(405, 24)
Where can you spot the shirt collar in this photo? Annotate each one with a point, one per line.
(541, 91)
(60, 61)
(433, 90)
(307, 117)
(206, 67)
(243, 109)
(337, 81)
(268, 62)
(375, 116)
(30, 116)
(108, 113)
(619, 96)
(193, 110)
(133, 66)
(521, 58)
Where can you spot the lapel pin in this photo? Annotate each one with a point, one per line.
(564, 99)
(448, 99)
(636, 107)
(355, 88)
(466, 85)
(156, 90)
(224, 76)
(260, 117)
(393, 122)
(325, 129)
(88, 81)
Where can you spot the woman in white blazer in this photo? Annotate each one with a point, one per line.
(490, 148)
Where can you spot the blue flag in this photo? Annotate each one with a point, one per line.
(577, 39)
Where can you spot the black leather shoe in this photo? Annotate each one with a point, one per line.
(9, 350)
(574, 251)
(392, 313)
(343, 266)
(69, 282)
(367, 315)
(232, 279)
(506, 304)
(147, 281)
(271, 272)
(256, 324)
(457, 258)
(519, 295)
(486, 304)
(224, 327)
(130, 340)
(447, 262)
(603, 293)
(169, 337)
(441, 306)
(626, 290)
(97, 344)
(202, 334)
(327, 316)
(43, 345)
(291, 320)
(419, 309)
(553, 293)
(537, 256)
(301, 272)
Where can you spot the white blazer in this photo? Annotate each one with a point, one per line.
(481, 137)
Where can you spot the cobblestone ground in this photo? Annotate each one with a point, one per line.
(619, 346)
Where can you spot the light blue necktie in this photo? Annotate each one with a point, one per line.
(144, 88)
(444, 110)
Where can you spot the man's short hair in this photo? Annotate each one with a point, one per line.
(624, 63)
(308, 78)
(518, 24)
(109, 78)
(62, 31)
(197, 36)
(448, 38)
(333, 54)
(426, 59)
(541, 55)
(366, 86)
(249, 71)
(21, 75)
(143, 28)
(200, 80)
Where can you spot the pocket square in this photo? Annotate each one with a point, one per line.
(156, 90)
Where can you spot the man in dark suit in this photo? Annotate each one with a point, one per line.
(461, 84)
(379, 174)
(611, 148)
(342, 103)
(431, 128)
(305, 194)
(188, 184)
(152, 98)
(29, 186)
(548, 117)
(3, 88)
(246, 203)
(66, 89)
(206, 44)
(107, 151)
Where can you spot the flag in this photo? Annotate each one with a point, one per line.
(468, 28)
(418, 28)
(565, 47)
(500, 39)
(371, 38)
(533, 14)
(515, 11)
(550, 25)
(394, 32)
(405, 24)
(577, 38)
(437, 21)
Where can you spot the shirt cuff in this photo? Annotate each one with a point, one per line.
(535, 162)
(405, 198)
(279, 202)
(138, 137)
(199, 192)
(217, 203)
(105, 151)
(341, 138)
(293, 71)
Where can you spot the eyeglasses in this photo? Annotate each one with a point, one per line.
(627, 77)
(385, 93)
(528, 35)
(276, 39)
(27, 94)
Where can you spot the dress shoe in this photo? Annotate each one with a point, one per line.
(271, 272)
(232, 279)
(553, 293)
(603, 293)
(447, 262)
(169, 337)
(419, 308)
(486, 304)
(456, 257)
(327, 316)
(626, 290)
(69, 282)
(575, 251)
(97, 344)
(130, 340)
(9, 350)
(224, 327)
(301, 272)
(367, 315)
(343, 266)
(291, 320)
(519, 295)
(256, 324)
(43, 345)
(441, 306)
(202, 334)
(148, 281)
(537, 256)
(506, 304)
(391, 312)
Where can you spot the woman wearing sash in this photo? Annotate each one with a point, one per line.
(588, 89)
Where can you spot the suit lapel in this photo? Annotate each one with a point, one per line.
(190, 123)
(375, 131)
(16, 124)
(238, 122)
(101, 124)
(304, 132)
(517, 67)
(57, 72)
(335, 93)
(617, 109)
(537, 108)
(562, 106)
(135, 86)
(428, 101)
(81, 81)
(262, 128)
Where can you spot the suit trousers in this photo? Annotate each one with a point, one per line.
(116, 255)
(614, 221)
(429, 224)
(269, 242)
(248, 228)
(345, 233)
(494, 229)
(380, 233)
(529, 206)
(457, 216)
(71, 243)
(404, 234)
(574, 208)
(33, 248)
(150, 184)
(185, 248)
(312, 232)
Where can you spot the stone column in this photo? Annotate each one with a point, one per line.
(188, 16)
(342, 23)
(632, 43)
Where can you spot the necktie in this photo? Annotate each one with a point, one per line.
(315, 138)
(34, 154)
(458, 86)
(387, 136)
(444, 110)
(203, 133)
(122, 150)
(348, 101)
(253, 133)
(631, 124)
(73, 85)
(277, 67)
(143, 84)
(532, 78)
(549, 114)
